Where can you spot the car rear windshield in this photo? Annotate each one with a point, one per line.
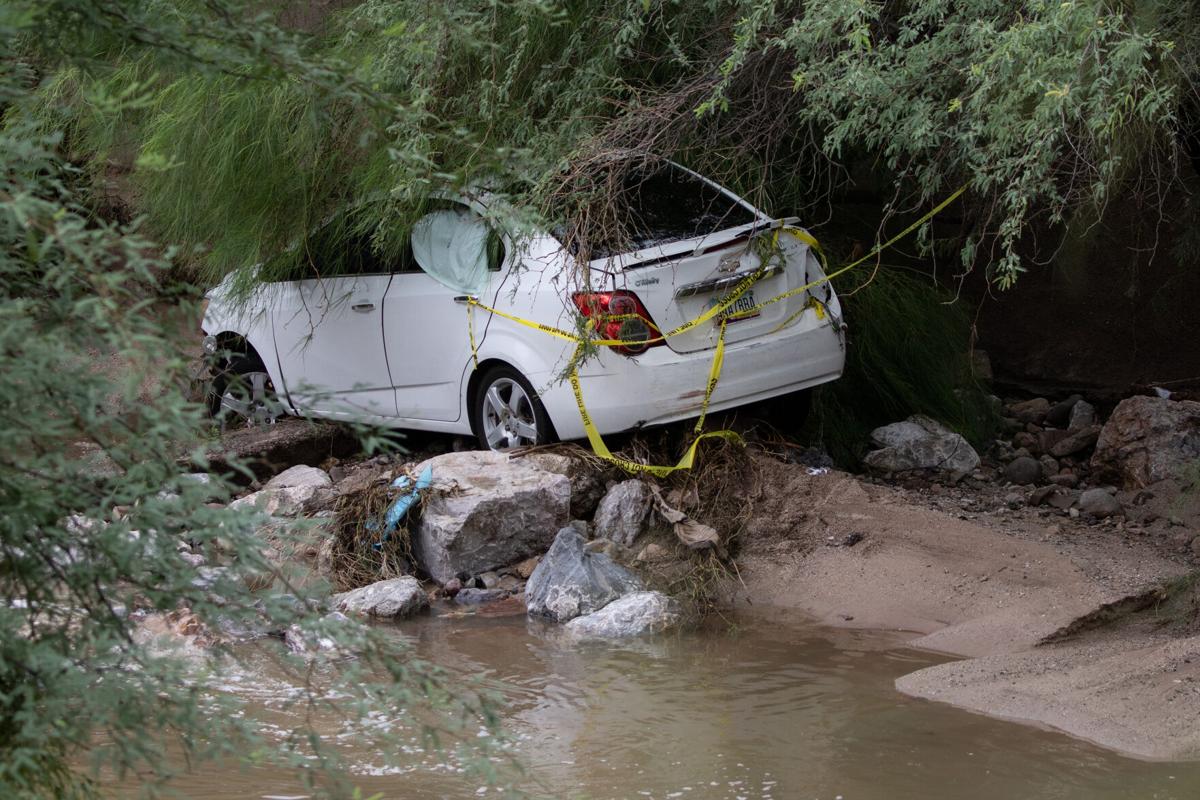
(668, 204)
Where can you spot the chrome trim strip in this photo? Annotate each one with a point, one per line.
(724, 282)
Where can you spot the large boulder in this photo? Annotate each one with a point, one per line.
(486, 511)
(587, 486)
(1148, 439)
(636, 614)
(571, 581)
(920, 443)
(392, 599)
(622, 513)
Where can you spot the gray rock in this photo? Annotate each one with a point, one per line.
(636, 614)
(1099, 503)
(1083, 415)
(393, 598)
(570, 581)
(587, 486)
(1063, 500)
(1034, 410)
(308, 643)
(920, 443)
(500, 511)
(474, 597)
(1060, 412)
(1148, 439)
(1075, 441)
(1050, 466)
(288, 493)
(621, 515)
(1023, 471)
(1069, 480)
(490, 579)
(300, 475)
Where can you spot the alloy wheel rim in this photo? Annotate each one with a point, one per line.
(249, 397)
(508, 418)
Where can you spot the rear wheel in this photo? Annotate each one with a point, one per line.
(242, 393)
(507, 412)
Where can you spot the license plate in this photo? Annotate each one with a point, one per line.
(742, 308)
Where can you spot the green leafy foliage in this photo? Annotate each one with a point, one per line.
(97, 495)
(907, 355)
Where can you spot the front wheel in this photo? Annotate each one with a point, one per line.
(508, 413)
(242, 393)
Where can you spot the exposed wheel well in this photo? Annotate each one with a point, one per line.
(231, 345)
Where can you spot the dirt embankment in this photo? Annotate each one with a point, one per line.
(994, 584)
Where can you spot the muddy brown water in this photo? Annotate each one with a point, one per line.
(769, 707)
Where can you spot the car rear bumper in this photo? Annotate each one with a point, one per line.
(662, 386)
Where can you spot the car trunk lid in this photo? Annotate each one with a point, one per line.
(680, 282)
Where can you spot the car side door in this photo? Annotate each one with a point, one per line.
(425, 322)
(329, 339)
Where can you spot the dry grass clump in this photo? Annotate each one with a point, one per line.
(358, 527)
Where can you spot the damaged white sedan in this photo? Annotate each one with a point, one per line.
(397, 344)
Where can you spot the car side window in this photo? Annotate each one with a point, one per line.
(456, 246)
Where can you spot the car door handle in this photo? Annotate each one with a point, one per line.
(363, 307)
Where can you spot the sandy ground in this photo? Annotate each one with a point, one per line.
(989, 588)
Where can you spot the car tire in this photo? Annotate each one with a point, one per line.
(506, 411)
(241, 392)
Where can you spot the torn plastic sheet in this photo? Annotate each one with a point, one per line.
(397, 510)
(694, 535)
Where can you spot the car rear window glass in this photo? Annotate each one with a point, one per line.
(667, 204)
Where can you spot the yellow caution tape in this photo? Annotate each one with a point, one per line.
(689, 457)
(714, 374)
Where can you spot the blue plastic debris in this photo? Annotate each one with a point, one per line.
(404, 502)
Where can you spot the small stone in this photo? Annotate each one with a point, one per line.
(511, 583)
(1049, 466)
(490, 580)
(452, 587)
(1023, 471)
(1063, 500)
(1196, 547)
(1025, 440)
(1066, 479)
(1042, 494)
(1075, 442)
(1034, 410)
(475, 597)
(1099, 503)
(1083, 416)
(525, 568)
(652, 553)
(1060, 412)
(1049, 439)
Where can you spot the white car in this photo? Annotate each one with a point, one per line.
(391, 344)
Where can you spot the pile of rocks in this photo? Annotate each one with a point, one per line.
(1058, 455)
(1050, 442)
(493, 530)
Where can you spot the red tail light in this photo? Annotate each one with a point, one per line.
(632, 322)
